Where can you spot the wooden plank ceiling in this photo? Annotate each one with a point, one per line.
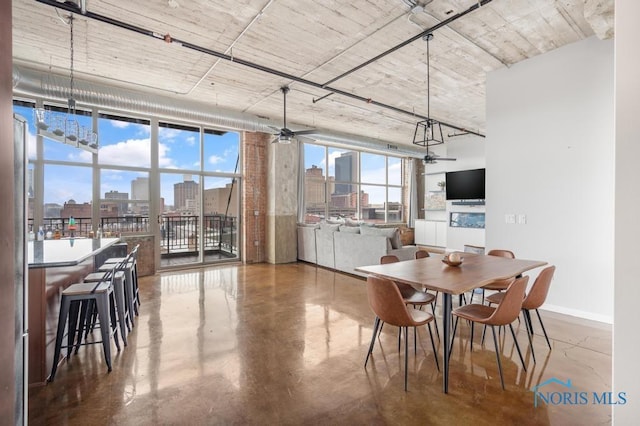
(317, 40)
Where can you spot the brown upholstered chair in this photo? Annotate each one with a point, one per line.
(504, 314)
(422, 254)
(533, 300)
(388, 305)
(497, 285)
(410, 295)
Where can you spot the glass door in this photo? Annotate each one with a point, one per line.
(179, 220)
(221, 206)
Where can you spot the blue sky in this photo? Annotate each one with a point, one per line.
(128, 144)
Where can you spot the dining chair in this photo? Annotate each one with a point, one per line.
(496, 285)
(389, 306)
(532, 301)
(420, 254)
(412, 296)
(504, 314)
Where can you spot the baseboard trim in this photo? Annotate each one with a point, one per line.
(578, 313)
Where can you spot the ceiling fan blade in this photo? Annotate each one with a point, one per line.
(306, 132)
(445, 159)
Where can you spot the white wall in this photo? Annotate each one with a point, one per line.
(550, 156)
(626, 369)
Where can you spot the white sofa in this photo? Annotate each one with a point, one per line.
(344, 249)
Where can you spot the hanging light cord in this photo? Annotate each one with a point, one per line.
(428, 37)
(71, 101)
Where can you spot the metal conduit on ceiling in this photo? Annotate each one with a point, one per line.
(167, 38)
(40, 84)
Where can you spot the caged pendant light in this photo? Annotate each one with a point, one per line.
(63, 127)
(428, 132)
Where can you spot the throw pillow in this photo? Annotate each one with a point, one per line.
(351, 222)
(393, 234)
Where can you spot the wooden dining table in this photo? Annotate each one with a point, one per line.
(432, 273)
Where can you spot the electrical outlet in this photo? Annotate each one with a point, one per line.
(510, 218)
(256, 213)
(522, 219)
(256, 243)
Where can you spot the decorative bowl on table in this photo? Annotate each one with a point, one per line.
(452, 259)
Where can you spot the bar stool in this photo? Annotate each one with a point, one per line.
(100, 294)
(131, 280)
(122, 307)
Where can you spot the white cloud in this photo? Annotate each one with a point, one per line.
(134, 153)
(168, 134)
(120, 124)
(214, 159)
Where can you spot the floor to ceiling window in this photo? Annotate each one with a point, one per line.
(345, 184)
(110, 190)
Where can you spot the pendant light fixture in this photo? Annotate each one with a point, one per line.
(63, 127)
(428, 132)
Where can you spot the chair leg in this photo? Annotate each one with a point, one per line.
(495, 343)
(62, 319)
(527, 319)
(114, 320)
(435, 322)
(471, 340)
(103, 313)
(406, 356)
(543, 329)
(376, 323)
(415, 341)
(433, 346)
(529, 333)
(517, 347)
(72, 329)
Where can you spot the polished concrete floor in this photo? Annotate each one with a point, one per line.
(264, 344)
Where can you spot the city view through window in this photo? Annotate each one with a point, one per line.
(346, 184)
(62, 182)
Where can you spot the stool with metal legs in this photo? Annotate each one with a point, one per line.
(100, 294)
(131, 280)
(122, 307)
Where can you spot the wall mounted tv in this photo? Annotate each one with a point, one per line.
(465, 185)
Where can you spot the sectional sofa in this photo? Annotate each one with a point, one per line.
(344, 248)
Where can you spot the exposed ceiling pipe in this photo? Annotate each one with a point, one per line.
(28, 82)
(32, 83)
(167, 38)
(409, 41)
(233, 43)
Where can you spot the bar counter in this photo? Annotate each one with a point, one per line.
(53, 266)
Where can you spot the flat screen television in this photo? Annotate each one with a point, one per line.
(465, 185)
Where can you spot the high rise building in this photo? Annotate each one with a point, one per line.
(140, 188)
(122, 206)
(221, 200)
(345, 171)
(140, 191)
(183, 191)
(314, 186)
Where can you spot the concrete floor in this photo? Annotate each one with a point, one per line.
(264, 344)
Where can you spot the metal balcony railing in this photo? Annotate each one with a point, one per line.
(179, 235)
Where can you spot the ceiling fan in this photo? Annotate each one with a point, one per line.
(285, 135)
(432, 158)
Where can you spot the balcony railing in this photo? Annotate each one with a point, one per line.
(178, 234)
